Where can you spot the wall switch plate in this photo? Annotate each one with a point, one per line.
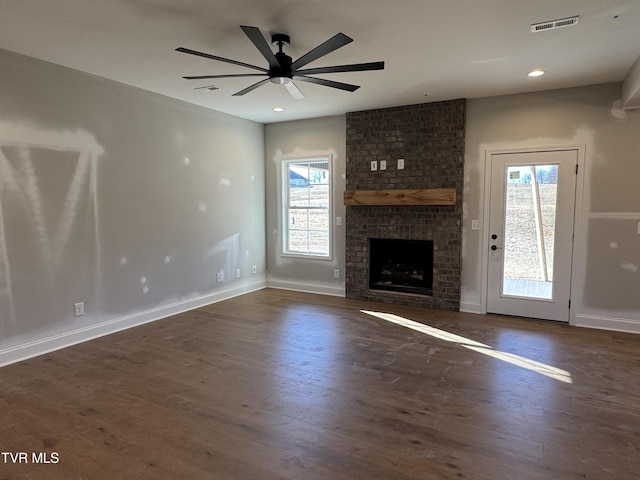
(638, 228)
(383, 164)
(254, 269)
(476, 224)
(78, 309)
(374, 165)
(338, 221)
(336, 273)
(401, 164)
(237, 273)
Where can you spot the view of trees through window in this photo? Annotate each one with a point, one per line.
(307, 207)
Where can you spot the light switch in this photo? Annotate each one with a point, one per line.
(476, 224)
(401, 164)
(383, 164)
(374, 165)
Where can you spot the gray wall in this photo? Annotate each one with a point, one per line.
(119, 198)
(605, 292)
(304, 138)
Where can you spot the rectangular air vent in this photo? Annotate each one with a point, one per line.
(553, 24)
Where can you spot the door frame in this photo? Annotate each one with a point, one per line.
(577, 217)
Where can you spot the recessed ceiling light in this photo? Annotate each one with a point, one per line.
(538, 72)
(278, 109)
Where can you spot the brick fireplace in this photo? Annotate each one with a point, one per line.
(430, 139)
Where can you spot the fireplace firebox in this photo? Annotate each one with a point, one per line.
(401, 265)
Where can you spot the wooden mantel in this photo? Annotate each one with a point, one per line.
(425, 196)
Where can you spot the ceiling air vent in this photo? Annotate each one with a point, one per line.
(553, 24)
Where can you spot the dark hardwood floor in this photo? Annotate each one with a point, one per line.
(285, 385)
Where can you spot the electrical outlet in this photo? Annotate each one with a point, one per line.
(338, 221)
(401, 164)
(220, 276)
(78, 309)
(336, 273)
(383, 164)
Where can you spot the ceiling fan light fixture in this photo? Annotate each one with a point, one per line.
(281, 80)
(536, 72)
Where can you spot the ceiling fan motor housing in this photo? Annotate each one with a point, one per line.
(279, 39)
(283, 74)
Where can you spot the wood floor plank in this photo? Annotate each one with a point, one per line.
(286, 385)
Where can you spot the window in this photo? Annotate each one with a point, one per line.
(307, 207)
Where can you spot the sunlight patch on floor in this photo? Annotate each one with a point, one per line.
(517, 360)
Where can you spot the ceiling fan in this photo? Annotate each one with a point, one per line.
(282, 69)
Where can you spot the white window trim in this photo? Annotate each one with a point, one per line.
(285, 206)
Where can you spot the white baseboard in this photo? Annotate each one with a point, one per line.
(321, 289)
(73, 337)
(471, 307)
(607, 323)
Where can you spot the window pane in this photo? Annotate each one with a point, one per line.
(319, 220)
(299, 196)
(306, 209)
(298, 219)
(318, 242)
(298, 175)
(298, 241)
(319, 173)
(529, 230)
(319, 196)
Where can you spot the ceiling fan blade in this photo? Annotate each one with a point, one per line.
(335, 42)
(231, 75)
(256, 37)
(356, 67)
(327, 83)
(250, 88)
(220, 59)
(294, 91)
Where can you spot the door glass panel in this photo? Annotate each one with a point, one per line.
(529, 230)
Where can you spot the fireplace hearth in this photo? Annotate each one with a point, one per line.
(401, 265)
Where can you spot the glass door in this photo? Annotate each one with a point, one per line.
(531, 233)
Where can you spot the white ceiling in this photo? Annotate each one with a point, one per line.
(433, 49)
